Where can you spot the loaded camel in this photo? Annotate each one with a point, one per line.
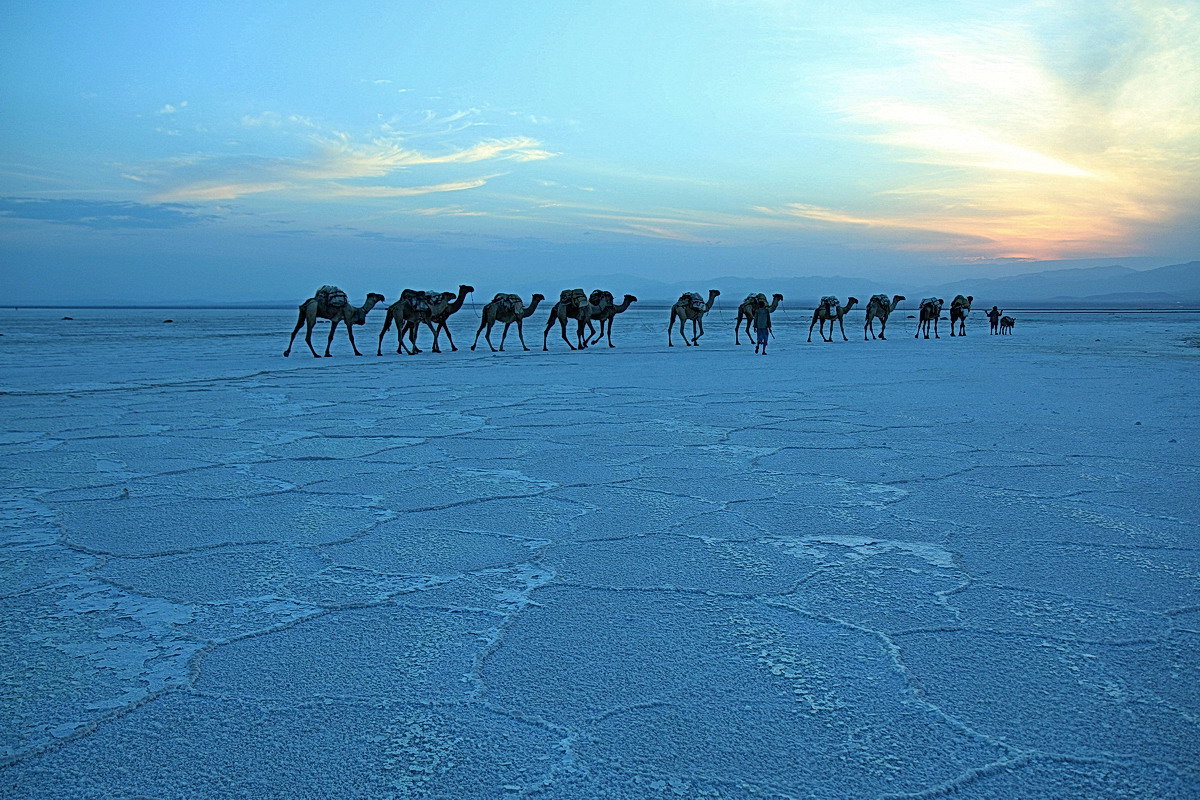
(690, 306)
(831, 309)
(330, 303)
(604, 301)
(959, 307)
(572, 304)
(412, 309)
(879, 307)
(931, 311)
(506, 308)
(442, 311)
(746, 312)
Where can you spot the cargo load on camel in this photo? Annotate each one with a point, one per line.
(330, 299)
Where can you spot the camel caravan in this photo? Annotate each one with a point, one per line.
(595, 313)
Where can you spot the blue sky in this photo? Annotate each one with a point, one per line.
(245, 151)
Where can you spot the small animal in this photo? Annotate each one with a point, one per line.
(1006, 324)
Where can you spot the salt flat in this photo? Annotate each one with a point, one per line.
(861, 569)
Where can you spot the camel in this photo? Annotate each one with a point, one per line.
(746, 312)
(880, 307)
(506, 308)
(441, 313)
(413, 308)
(690, 306)
(604, 300)
(959, 307)
(831, 309)
(1006, 325)
(931, 311)
(319, 306)
(572, 304)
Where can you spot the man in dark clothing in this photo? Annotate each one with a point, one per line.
(994, 319)
(762, 325)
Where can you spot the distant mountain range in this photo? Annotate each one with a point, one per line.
(1175, 286)
(1110, 286)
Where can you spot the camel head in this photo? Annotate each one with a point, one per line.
(851, 301)
(378, 298)
(897, 298)
(537, 298)
(777, 296)
(714, 292)
(464, 289)
(630, 298)
(970, 299)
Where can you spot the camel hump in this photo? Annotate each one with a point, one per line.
(599, 297)
(692, 299)
(932, 302)
(880, 299)
(577, 296)
(331, 298)
(831, 304)
(960, 300)
(415, 299)
(510, 302)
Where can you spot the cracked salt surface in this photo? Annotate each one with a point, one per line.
(685, 573)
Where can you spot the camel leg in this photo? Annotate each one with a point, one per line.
(866, 325)
(387, 323)
(737, 329)
(935, 327)
(696, 336)
(579, 337)
(608, 334)
(504, 335)
(308, 336)
(812, 325)
(449, 338)
(841, 325)
(299, 325)
(670, 327)
(411, 329)
(482, 325)
(683, 330)
(882, 327)
(350, 333)
(563, 324)
(401, 331)
(436, 332)
(333, 323)
(592, 330)
(521, 334)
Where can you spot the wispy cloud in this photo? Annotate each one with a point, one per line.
(325, 171)
(102, 214)
(1036, 139)
(172, 109)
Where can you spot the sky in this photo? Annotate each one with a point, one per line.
(235, 151)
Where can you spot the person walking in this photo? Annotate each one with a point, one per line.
(762, 325)
(994, 319)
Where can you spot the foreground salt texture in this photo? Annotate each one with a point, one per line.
(889, 569)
